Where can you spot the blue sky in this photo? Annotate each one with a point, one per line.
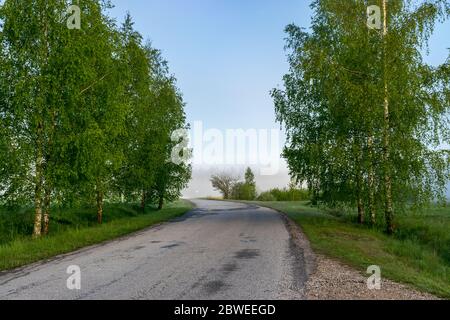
(228, 54)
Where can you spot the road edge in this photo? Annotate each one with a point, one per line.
(61, 256)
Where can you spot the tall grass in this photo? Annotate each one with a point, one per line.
(417, 254)
(73, 229)
(18, 222)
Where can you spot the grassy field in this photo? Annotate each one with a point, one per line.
(418, 254)
(73, 229)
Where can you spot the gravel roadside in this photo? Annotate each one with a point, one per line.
(329, 279)
(334, 281)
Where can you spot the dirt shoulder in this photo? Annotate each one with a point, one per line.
(329, 279)
(334, 281)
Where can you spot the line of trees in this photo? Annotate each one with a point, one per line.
(87, 114)
(231, 187)
(365, 116)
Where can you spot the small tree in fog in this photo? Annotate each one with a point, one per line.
(224, 183)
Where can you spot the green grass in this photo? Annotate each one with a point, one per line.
(418, 254)
(73, 229)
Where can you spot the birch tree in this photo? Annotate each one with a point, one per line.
(32, 36)
(364, 114)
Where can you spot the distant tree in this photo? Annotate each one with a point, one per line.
(245, 190)
(224, 183)
(249, 188)
(237, 191)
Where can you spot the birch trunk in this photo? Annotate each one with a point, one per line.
(143, 200)
(359, 185)
(38, 184)
(388, 211)
(361, 211)
(99, 207)
(38, 200)
(371, 180)
(47, 202)
(161, 203)
(39, 175)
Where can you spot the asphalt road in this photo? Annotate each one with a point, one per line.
(220, 250)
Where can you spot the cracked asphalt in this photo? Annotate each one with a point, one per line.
(220, 250)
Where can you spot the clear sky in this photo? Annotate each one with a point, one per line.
(227, 55)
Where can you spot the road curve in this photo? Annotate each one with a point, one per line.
(220, 250)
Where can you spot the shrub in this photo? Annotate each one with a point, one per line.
(244, 191)
(266, 196)
(285, 195)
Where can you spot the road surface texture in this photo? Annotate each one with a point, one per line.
(220, 250)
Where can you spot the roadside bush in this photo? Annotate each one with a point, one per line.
(244, 191)
(266, 196)
(285, 195)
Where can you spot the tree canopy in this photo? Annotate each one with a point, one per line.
(365, 115)
(86, 114)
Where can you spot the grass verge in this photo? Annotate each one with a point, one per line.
(418, 255)
(70, 235)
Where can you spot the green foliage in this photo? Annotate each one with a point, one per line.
(266, 196)
(231, 188)
(224, 183)
(170, 180)
(365, 116)
(245, 190)
(286, 194)
(417, 255)
(85, 115)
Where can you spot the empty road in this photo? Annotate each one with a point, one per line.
(220, 250)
